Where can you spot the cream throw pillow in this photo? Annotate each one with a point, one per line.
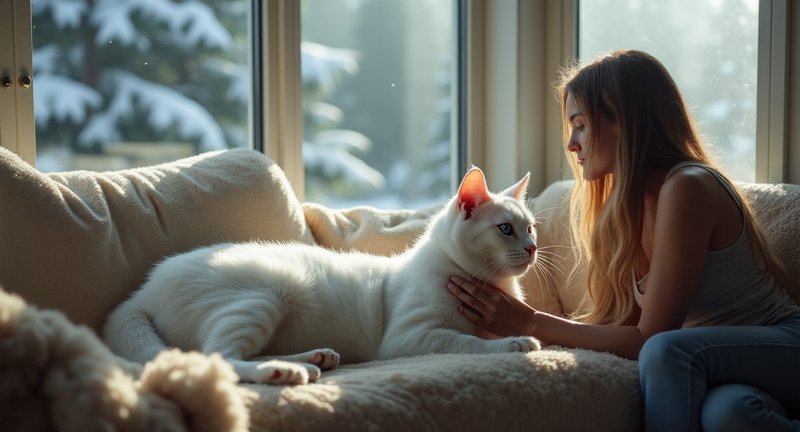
(82, 241)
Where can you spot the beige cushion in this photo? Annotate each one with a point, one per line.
(777, 207)
(366, 229)
(81, 241)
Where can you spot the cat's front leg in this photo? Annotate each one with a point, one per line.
(516, 344)
(324, 358)
(277, 372)
(442, 340)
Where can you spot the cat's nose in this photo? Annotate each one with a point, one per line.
(531, 250)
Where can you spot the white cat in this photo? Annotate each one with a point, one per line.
(258, 304)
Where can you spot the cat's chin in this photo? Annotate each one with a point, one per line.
(520, 269)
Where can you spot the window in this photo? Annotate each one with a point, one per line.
(378, 95)
(120, 84)
(509, 54)
(131, 83)
(711, 49)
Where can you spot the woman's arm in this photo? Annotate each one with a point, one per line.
(492, 310)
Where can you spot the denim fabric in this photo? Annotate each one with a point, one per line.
(723, 378)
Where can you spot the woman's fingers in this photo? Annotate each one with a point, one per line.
(470, 314)
(479, 301)
(477, 289)
(466, 296)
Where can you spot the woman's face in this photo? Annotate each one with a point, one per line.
(598, 161)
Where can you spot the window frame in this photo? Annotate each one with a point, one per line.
(514, 49)
(281, 94)
(17, 131)
(772, 143)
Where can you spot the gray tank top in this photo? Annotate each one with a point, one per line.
(732, 290)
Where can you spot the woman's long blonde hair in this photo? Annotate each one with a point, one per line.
(635, 90)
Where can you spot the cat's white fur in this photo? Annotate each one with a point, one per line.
(259, 304)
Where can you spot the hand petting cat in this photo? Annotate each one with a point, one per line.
(490, 308)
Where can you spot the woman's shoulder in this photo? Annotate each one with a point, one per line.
(711, 198)
(693, 181)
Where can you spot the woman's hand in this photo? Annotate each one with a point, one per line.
(491, 309)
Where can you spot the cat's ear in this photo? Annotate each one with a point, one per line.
(519, 190)
(473, 191)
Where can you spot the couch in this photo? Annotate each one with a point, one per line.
(74, 244)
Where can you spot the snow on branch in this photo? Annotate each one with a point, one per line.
(65, 13)
(322, 66)
(190, 23)
(61, 99)
(166, 108)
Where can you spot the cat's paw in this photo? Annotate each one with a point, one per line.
(521, 344)
(314, 372)
(325, 358)
(284, 373)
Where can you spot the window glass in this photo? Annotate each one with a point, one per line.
(709, 46)
(378, 92)
(124, 83)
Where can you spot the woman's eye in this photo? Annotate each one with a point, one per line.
(505, 228)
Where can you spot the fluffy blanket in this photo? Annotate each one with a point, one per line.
(55, 375)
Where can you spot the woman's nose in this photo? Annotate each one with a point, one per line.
(573, 145)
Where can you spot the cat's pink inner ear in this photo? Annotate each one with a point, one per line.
(473, 191)
(520, 189)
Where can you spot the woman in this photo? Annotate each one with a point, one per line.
(679, 275)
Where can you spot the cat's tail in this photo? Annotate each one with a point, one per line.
(130, 333)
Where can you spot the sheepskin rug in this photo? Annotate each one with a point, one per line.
(56, 375)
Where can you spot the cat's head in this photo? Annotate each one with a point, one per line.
(489, 235)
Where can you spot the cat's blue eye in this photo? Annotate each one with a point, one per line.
(506, 228)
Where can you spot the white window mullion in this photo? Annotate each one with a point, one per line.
(771, 127)
(282, 83)
(8, 90)
(16, 95)
(793, 117)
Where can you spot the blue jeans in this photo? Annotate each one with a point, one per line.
(727, 378)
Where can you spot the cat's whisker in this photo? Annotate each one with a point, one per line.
(546, 272)
(536, 215)
(485, 271)
(550, 271)
(555, 246)
(552, 256)
(551, 259)
(542, 283)
(549, 264)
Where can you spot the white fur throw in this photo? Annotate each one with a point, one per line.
(79, 242)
